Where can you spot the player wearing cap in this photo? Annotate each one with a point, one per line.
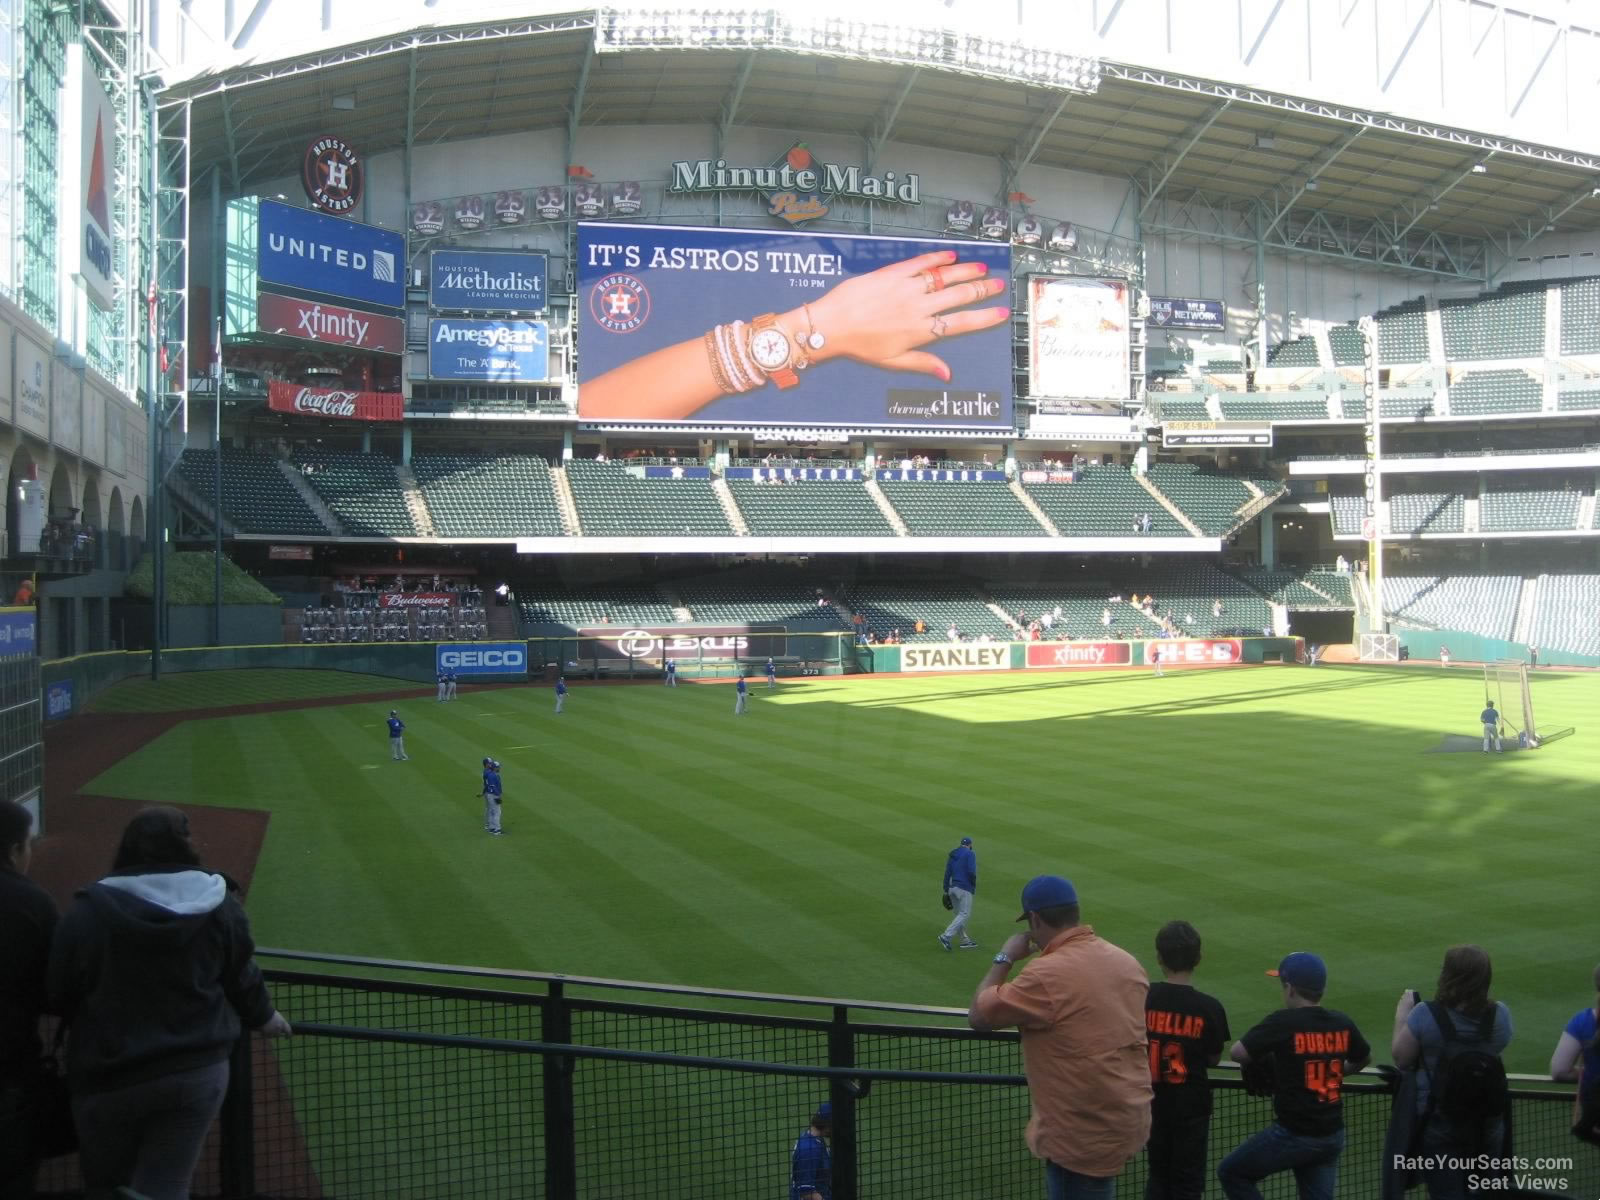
(1491, 726)
(1188, 1030)
(741, 699)
(397, 739)
(811, 1163)
(772, 674)
(1305, 1051)
(671, 679)
(443, 679)
(450, 684)
(561, 692)
(959, 886)
(491, 797)
(1080, 1008)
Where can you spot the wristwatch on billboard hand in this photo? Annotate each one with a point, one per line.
(769, 347)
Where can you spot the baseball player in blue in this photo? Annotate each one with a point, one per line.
(742, 698)
(772, 674)
(1491, 726)
(561, 692)
(444, 687)
(397, 739)
(491, 797)
(672, 673)
(960, 885)
(450, 684)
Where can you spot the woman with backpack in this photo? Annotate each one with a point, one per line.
(1450, 1047)
(1577, 1059)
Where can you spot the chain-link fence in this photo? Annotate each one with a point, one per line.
(396, 1086)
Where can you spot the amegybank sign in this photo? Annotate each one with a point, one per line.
(962, 657)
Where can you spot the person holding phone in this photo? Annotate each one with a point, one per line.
(1577, 1059)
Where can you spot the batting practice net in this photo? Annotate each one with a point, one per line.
(500, 1084)
(1505, 682)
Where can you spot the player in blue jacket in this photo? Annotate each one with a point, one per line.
(443, 678)
(672, 673)
(1491, 726)
(450, 683)
(960, 884)
(397, 738)
(811, 1162)
(491, 797)
(561, 692)
(742, 698)
(772, 674)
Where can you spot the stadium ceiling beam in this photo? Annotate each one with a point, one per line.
(1419, 208)
(730, 105)
(1309, 182)
(200, 86)
(1536, 229)
(1380, 122)
(1313, 233)
(884, 128)
(579, 91)
(1026, 146)
(1190, 141)
(231, 137)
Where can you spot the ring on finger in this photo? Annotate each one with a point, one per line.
(932, 281)
(937, 328)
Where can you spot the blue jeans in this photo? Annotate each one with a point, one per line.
(1314, 1161)
(1062, 1184)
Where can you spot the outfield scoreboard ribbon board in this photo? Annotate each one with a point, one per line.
(655, 296)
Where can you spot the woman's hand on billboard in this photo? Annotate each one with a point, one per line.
(885, 317)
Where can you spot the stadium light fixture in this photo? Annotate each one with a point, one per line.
(1480, 168)
(762, 29)
(1311, 185)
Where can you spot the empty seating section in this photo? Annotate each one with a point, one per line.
(362, 490)
(1295, 590)
(1347, 514)
(1102, 502)
(1484, 604)
(1564, 614)
(256, 497)
(488, 496)
(961, 510)
(1504, 324)
(735, 599)
(1346, 343)
(1580, 316)
(613, 503)
(1275, 408)
(1427, 512)
(1189, 589)
(1301, 352)
(939, 605)
(1083, 606)
(1488, 392)
(1405, 407)
(1518, 504)
(1403, 333)
(592, 604)
(1578, 400)
(1210, 499)
(1353, 406)
(809, 508)
(1332, 583)
(1173, 408)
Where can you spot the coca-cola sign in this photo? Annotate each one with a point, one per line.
(417, 600)
(341, 403)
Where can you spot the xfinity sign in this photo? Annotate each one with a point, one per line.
(482, 658)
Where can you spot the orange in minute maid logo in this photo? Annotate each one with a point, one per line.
(796, 207)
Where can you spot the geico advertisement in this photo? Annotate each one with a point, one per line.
(1195, 651)
(688, 324)
(974, 657)
(1080, 654)
(482, 658)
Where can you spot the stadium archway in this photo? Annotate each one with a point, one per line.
(136, 530)
(63, 504)
(1323, 628)
(115, 531)
(22, 468)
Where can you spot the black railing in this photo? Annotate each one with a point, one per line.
(551, 1086)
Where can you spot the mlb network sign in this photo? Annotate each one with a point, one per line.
(482, 658)
(487, 281)
(302, 249)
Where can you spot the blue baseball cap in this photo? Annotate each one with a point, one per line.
(1303, 971)
(966, 841)
(1046, 891)
(824, 1111)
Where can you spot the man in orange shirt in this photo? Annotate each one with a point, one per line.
(1080, 1008)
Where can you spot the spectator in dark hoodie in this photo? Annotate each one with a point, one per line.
(27, 921)
(153, 970)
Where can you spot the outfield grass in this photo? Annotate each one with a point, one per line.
(185, 690)
(652, 835)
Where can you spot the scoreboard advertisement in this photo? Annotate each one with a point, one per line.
(734, 325)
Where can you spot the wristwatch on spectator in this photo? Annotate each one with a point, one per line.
(1002, 959)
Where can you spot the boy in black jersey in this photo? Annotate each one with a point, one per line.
(1187, 1031)
(1310, 1049)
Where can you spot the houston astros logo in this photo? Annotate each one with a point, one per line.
(332, 174)
(619, 303)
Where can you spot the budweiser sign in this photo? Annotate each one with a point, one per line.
(417, 600)
(335, 402)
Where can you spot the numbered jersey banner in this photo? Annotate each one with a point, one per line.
(1078, 330)
(837, 329)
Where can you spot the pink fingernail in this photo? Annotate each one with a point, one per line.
(950, 256)
(944, 374)
(983, 268)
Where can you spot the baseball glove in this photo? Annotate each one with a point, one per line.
(947, 902)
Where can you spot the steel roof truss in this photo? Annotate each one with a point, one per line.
(1174, 160)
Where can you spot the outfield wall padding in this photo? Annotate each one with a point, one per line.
(1474, 647)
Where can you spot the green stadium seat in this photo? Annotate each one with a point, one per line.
(961, 509)
(809, 508)
(1580, 316)
(1102, 501)
(1508, 323)
(256, 498)
(613, 503)
(362, 490)
(1345, 341)
(1519, 504)
(488, 496)
(1490, 392)
(1300, 352)
(1483, 604)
